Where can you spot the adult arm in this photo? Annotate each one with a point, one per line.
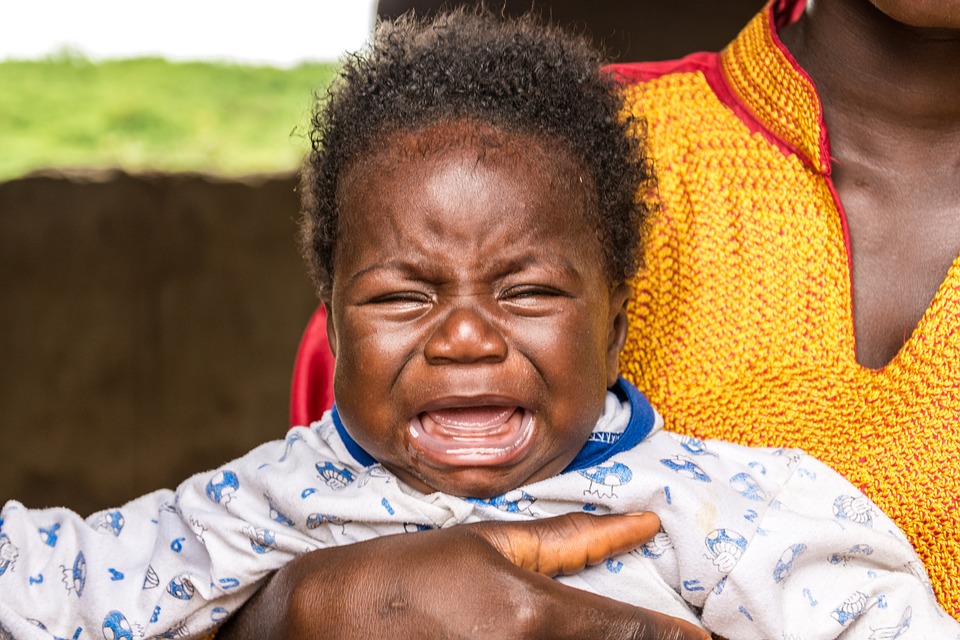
(485, 580)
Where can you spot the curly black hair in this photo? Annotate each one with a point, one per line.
(516, 74)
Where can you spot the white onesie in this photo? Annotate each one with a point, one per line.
(755, 543)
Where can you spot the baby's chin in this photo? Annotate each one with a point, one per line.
(479, 482)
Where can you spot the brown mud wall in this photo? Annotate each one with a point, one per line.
(148, 326)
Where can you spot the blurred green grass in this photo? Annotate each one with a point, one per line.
(153, 114)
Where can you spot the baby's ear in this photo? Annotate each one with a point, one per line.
(617, 329)
(331, 330)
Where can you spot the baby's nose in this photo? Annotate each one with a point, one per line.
(464, 335)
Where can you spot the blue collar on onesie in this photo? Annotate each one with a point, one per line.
(599, 446)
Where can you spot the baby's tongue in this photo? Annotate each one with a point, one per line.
(469, 419)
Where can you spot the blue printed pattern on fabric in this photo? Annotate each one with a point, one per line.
(754, 543)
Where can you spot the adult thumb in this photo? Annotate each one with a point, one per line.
(568, 543)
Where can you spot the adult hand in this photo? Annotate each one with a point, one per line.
(485, 580)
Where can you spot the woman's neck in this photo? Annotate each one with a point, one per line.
(879, 79)
(891, 103)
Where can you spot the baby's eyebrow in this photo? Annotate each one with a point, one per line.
(402, 266)
(496, 267)
(514, 264)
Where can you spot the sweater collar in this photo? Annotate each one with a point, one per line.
(767, 80)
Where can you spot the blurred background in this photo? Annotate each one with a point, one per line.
(151, 293)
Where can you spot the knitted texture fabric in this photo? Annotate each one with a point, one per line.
(742, 324)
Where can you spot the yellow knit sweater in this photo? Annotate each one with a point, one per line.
(741, 326)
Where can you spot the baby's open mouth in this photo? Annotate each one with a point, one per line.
(487, 435)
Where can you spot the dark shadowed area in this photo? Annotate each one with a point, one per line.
(628, 30)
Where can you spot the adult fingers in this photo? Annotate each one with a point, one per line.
(574, 614)
(565, 544)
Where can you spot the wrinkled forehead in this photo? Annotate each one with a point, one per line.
(551, 158)
(467, 133)
(474, 175)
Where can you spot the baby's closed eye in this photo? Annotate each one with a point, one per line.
(400, 301)
(533, 298)
(402, 297)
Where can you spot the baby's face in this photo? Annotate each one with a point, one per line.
(474, 327)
